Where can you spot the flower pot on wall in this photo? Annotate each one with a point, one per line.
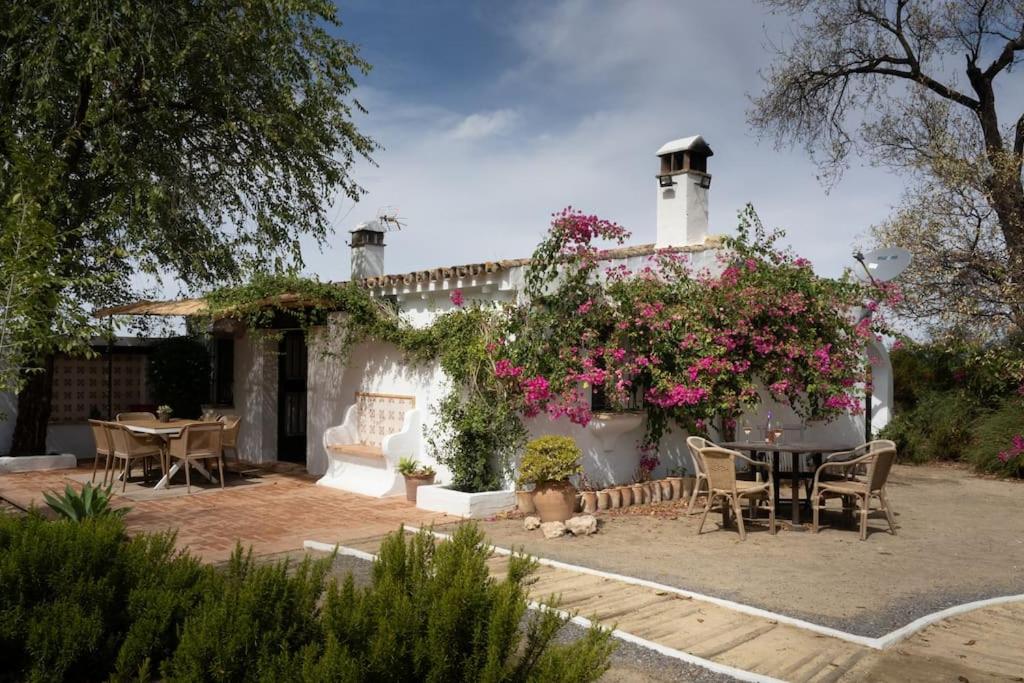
(626, 493)
(554, 500)
(589, 502)
(413, 482)
(639, 494)
(653, 492)
(666, 489)
(614, 498)
(524, 502)
(676, 483)
(602, 500)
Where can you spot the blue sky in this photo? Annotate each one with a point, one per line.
(493, 115)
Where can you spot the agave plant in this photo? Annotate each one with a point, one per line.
(92, 501)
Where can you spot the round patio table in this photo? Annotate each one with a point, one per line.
(797, 448)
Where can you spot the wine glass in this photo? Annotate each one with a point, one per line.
(745, 426)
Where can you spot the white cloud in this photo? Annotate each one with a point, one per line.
(484, 125)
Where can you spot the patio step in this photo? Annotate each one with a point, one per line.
(983, 645)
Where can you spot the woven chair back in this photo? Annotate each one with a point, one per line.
(99, 436)
(720, 467)
(879, 467)
(121, 417)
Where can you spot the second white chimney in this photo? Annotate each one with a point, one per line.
(367, 250)
(683, 185)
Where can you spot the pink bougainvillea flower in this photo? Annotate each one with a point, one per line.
(504, 368)
(457, 297)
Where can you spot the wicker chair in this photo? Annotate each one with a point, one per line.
(122, 417)
(694, 444)
(877, 461)
(720, 467)
(199, 442)
(231, 423)
(102, 442)
(130, 447)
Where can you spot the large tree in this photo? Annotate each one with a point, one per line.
(926, 87)
(193, 139)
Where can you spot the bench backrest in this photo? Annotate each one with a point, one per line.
(379, 415)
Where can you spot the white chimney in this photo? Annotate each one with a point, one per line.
(367, 250)
(683, 184)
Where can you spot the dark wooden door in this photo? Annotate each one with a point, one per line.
(291, 403)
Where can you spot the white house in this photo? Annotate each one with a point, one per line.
(290, 392)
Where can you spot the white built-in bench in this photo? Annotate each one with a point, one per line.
(364, 450)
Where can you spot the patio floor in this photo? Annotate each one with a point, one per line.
(274, 511)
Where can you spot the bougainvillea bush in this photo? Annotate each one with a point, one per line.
(688, 345)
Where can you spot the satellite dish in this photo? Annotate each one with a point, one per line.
(882, 265)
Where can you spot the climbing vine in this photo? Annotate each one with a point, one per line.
(477, 431)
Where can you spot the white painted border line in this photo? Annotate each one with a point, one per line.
(739, 674)
(339, 549)
(879, 643)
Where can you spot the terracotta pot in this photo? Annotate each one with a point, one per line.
(639, 494)
(163, 417)
(676, 483)
(414, 482)
(627, 496)
(554, 500)
(589, 502)
(524, 501)
(577, 502)
(603, 502)
(614, 498)
(666, 489)
(688, 487)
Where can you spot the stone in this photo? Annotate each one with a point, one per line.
(584, 525)
(552, 529)
(531, 523)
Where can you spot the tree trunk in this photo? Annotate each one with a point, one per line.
(34, 402)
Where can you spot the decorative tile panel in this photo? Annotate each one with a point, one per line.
(380, 415)
(80, 386)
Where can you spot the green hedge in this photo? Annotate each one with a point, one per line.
(993, 434)
(938, 427)
(81, 602)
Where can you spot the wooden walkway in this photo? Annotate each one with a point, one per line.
(983, 645)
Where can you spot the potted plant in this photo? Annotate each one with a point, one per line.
(415, 476)
(524, 501)
(163, 413)
(548, 463)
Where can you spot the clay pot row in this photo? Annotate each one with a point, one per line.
(668, 489)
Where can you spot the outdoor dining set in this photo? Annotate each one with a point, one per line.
(140, 438)
(855, 476)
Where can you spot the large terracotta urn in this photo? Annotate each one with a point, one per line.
(554, 500)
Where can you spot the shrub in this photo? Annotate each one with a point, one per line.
(549, 458)
(433, 613)
(82, 602)
(939, 427)
(994, 434)
(252, 623)
(91, 502)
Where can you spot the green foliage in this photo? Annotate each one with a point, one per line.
(83, 602)
(478, 430)
(549, 458)
(410, 467)
(78, 506)
(434, 614)
(994, 433)
(253, 624)
(939, 427)
(179, 375)
(175, 139)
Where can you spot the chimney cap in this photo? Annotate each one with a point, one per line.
(368, 226)
(694, 143)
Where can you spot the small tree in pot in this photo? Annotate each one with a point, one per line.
(415, 476)
(548, 463)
